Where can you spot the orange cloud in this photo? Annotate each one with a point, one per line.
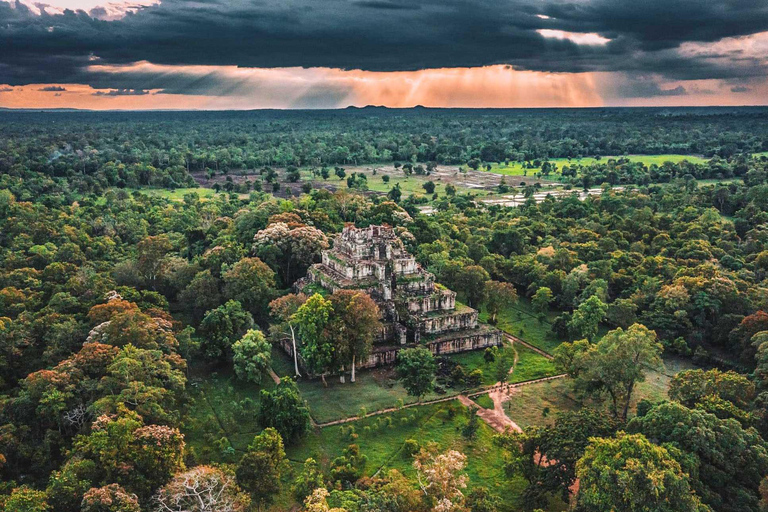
(230, 87)
(155, 86)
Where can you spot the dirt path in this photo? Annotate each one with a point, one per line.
(495, 418)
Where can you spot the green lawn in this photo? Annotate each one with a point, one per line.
(378, 389)
(222, 414)
(177, 194)
(484, 401)
(374, 389)
(537, 404)
(518, 169)
(475, 360)
(531, 365)
(520, 320)
(381, 439)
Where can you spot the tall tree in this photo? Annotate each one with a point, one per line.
(542, 299)
(354, 325)
(291, 249)
(631, 474)
(498, 295)
(222, 327)
(547, 456)
(416, 370)
(731, 460)
(284, 410)
(202, 489)
(260, 469)
(317, 350)
(587, 318)
(252, 356)
(251, 282)
(613, 366)
(442, 479)
(151, 253)
(471, 280)
(110, 498)
(283, 310)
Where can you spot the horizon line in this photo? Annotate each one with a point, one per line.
(371, 107)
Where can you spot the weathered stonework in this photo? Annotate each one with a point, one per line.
(414, 309)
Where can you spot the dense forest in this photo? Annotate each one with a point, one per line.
(117, 306)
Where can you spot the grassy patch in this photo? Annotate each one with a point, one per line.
(410, 185)
(381, 439)
(484, 401)
(518, 169)
(178, 194)
(378, 389)
(530, 365)
(373, 389)
(222, 412)
(475, 360)
(520, 320)
(538, 404)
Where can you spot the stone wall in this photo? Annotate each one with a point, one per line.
(448, 322)
(437, 300)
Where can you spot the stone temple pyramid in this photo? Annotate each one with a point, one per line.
(414, 309)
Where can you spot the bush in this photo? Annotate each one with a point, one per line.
(410, 447)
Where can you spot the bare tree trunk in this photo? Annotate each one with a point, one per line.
(353, 367)
(322, 377)
(295, 353)
(341, 376)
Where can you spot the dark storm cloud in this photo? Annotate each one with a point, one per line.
(377, 35)
(650, 89)
(52, 88)
(388, 5)
(740, 89)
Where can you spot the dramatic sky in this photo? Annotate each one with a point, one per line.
(240, 54)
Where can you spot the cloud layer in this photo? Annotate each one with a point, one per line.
(653, 47)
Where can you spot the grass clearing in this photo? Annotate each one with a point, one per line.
(177, 194)
(411, 185)
(374, 389)
(484, 401)
(522, 321)
(531, 365)
(222, 414)
(538, 404)
(518, 169)
(381, 439)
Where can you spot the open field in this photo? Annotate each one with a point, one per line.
(381, 440)
(538, 404)
(519, 169)
(377, 389)
(522, 321)
(178, 193)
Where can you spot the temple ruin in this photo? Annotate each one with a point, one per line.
(414, 309)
